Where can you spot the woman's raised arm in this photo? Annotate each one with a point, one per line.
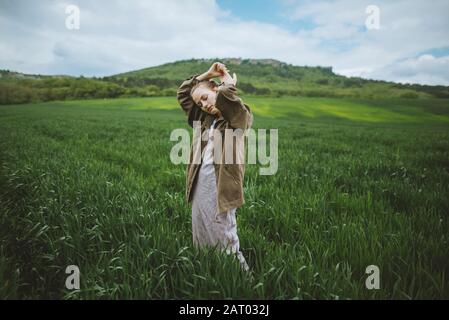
(193, 112)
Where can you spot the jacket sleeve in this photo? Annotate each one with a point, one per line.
(193, 112)
(232, 108)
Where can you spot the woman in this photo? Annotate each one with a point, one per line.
(215, 188)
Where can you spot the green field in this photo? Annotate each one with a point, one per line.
(360, 182)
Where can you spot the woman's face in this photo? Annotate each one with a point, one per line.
(205, 97)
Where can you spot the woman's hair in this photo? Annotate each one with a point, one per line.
(209, 83)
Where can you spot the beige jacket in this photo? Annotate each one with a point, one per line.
(236, 115)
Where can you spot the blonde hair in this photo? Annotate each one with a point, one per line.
(209, 83)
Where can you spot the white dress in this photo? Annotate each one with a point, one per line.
(209, 227)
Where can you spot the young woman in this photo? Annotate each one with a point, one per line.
(215, 188)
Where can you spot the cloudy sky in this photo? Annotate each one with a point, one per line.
(410, 45)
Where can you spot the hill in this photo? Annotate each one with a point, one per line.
(266, 77)
(276, 78)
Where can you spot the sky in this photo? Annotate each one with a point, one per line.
(404, 41)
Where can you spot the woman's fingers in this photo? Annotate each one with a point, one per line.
(220, 69)
(217, 69)
(223, 68)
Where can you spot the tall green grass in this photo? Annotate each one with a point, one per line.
(90, 183)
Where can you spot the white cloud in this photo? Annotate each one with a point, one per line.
(117, 36)
(407, 28)
(425, 69)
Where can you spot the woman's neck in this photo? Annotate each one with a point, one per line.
(218, 115)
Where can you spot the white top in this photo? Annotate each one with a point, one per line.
(208, 150)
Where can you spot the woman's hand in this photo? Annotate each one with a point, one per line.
(216, 70)
(227, 79)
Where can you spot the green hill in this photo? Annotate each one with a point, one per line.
(276, 78)
(262, 77)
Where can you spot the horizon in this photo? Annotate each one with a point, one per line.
(222, 59)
